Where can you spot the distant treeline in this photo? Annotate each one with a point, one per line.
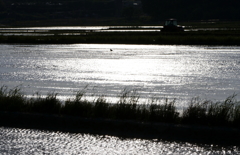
(52, 9)
(141, 10)
(193, 10)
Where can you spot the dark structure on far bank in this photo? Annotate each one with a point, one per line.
(171, 25)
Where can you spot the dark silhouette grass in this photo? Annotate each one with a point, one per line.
(128, 107)
(203, 122)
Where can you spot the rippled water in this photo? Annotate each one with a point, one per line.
(181, 72)
(25, 141)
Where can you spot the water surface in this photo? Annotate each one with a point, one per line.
(181, 72)
(26, 141)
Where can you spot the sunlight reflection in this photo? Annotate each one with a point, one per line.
(174, 71)
(29, 141)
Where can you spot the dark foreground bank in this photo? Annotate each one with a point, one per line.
(203, 122)
(125, 129)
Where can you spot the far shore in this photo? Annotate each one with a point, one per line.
(201, 37)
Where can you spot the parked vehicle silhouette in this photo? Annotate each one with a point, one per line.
(170, 25)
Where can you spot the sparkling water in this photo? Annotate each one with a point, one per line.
(181, 72)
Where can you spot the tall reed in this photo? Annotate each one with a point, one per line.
(11, 100)
(49, 104)
(78, 106)
(209, 113)
(165, 112)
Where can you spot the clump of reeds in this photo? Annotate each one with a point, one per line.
(126, 107)
(165, 112)
(226, 113)
(49, 104)
(78, 106)
(210, 113)
(11, 100)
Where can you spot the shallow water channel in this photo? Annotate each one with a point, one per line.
(26, 141)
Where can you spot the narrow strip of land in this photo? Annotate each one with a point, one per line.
(228, 37)
(125, 129)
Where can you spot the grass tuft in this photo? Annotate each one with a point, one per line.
(165, 112)
(78, 106)
(11, 100)
(50, 104)
(209, 113)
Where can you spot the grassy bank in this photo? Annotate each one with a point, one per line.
(225, 37)
(128, 107)
(203, 122)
